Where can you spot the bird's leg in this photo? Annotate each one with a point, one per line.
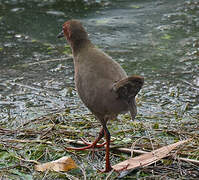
(107, 136)
(93, 145)
(101, 134)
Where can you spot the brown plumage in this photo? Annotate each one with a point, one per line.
(101, 83)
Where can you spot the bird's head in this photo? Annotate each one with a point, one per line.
(73, 31)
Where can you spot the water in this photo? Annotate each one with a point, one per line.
(155, 39)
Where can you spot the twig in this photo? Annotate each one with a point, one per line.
(110, 173)
(69, 176)
(25, 141)
(26, 160)
(44, 117)
(45, 175)
(190, 84)
(83, 172)
(10, 146)
(47, 61)
(189, 160)
(129, 150)
(9, 167)
(133, 145)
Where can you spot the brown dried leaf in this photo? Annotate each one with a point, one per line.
(63, 164)
(148, 158)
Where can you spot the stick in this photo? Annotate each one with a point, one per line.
(26, 141)
(128, 151)
(46, 61)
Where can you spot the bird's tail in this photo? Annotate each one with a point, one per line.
(127, 89)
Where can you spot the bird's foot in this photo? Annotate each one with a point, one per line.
(79, 149)
(92, 144)
(89, 145)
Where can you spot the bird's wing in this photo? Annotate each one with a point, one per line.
(128, 87)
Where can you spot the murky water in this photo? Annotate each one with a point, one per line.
(156, 39)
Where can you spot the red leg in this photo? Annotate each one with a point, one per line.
(93, 145)
(107, 136)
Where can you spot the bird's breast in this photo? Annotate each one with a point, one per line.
(95, 74)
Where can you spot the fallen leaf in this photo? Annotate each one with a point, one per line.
(63, 164)
(148, 158)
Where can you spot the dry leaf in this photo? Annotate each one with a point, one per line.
(63, 164)
(147, 159)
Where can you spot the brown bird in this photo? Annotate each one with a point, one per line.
(101, 83)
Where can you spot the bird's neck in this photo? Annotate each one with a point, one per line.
(80, 44)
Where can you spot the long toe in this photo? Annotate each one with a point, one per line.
(79, 149)
(94, 144)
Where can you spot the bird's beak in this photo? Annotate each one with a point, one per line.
(61, 34)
